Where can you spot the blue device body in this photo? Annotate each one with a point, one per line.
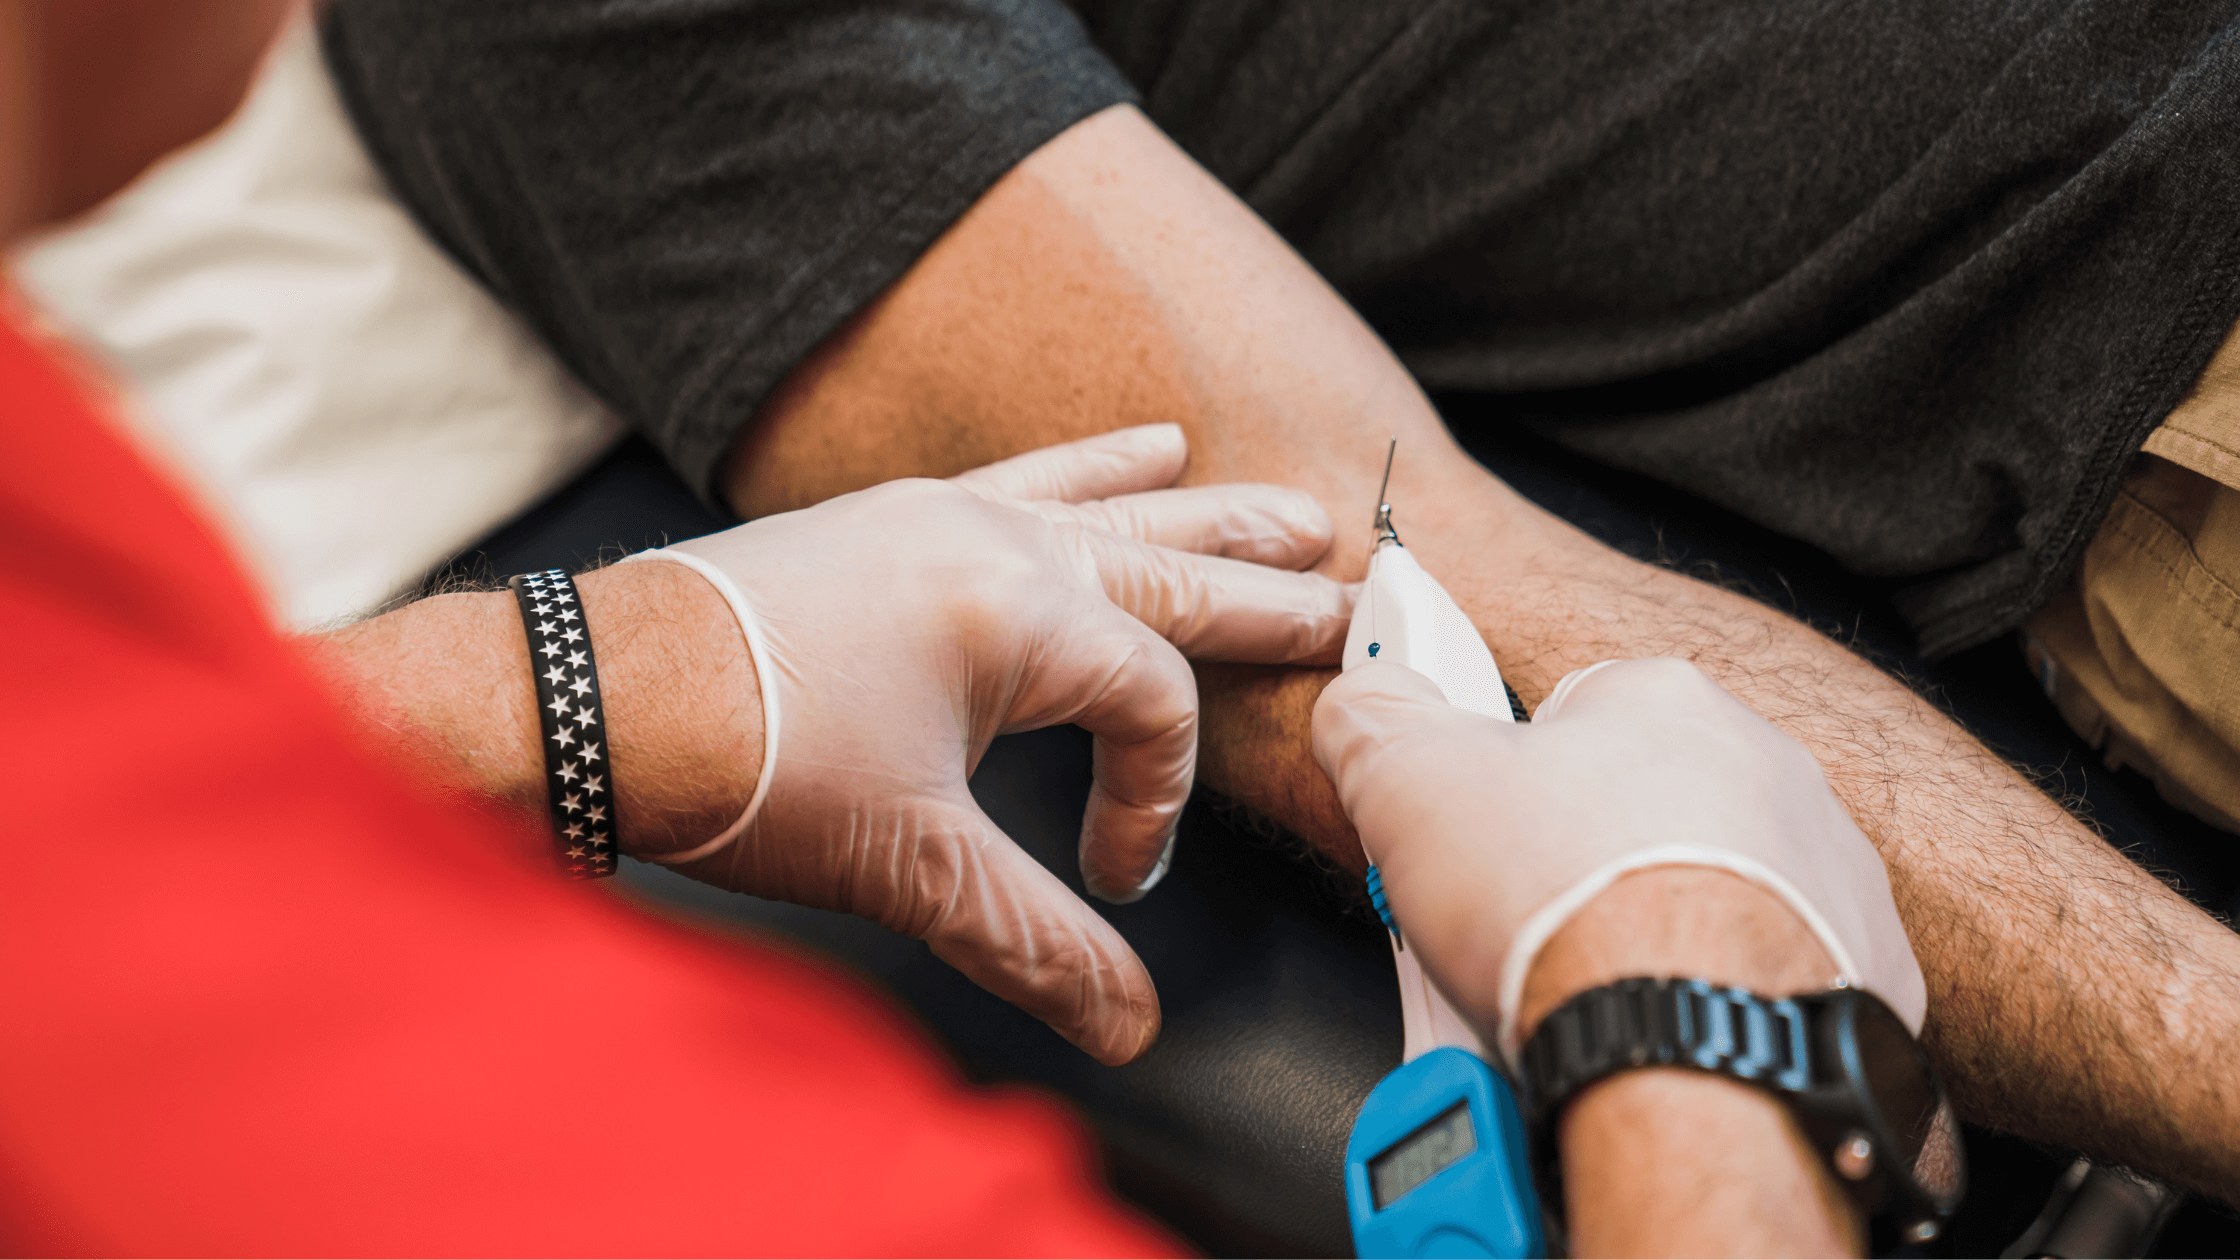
(1411, 1187)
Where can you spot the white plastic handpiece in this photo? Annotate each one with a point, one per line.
(1405, 617)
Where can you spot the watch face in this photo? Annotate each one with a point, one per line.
(1904, 1091)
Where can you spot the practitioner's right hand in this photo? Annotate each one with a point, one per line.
(1489, 835)
(908, 625)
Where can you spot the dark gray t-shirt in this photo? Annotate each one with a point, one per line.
(1910, 280)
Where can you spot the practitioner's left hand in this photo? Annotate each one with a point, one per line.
(909, 624)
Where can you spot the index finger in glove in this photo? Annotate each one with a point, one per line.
(1217, 609)
(1262, 524)
(1124, 461)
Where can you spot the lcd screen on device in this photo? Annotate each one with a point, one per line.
(1421, 1155)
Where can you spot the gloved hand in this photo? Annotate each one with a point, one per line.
(906, 626)
(1488, 835)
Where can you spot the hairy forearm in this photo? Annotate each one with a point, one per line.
(1666, 1162)
(2073, 997)
(1109, 281)
(444, 685)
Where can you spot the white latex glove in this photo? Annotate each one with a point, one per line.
(1488, 836)
(905, 626)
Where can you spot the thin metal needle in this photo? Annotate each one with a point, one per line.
(1383, 524)
(1384, 532)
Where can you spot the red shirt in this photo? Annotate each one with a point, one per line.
(263, 996)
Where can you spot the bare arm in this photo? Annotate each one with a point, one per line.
(1109, 281)
(444, 685)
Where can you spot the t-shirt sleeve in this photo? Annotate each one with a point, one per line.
(267, 997)
(685, 198)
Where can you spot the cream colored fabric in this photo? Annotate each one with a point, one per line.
(356, 406)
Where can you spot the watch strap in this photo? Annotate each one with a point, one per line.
(1791, 1047)
(1670, 1023)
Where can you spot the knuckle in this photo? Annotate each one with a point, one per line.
(1668, 678)
(918, 494)
(1156, 684)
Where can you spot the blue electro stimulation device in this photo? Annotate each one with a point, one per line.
(1436, 1165)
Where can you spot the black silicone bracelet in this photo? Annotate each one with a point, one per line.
(578, 779)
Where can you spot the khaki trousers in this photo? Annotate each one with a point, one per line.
(2142, 652)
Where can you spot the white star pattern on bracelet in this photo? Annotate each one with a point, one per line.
(568, 683)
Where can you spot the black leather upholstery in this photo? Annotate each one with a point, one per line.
(1280, 1009)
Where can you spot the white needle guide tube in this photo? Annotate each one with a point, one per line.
(1405, 617)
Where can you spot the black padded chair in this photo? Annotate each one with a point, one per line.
(1281, 1012)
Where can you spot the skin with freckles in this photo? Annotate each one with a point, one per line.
(1108, 280)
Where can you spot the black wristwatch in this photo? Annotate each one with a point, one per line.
(1842, 1061)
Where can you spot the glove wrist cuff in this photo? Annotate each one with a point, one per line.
(766, 684)
(1537, 930)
